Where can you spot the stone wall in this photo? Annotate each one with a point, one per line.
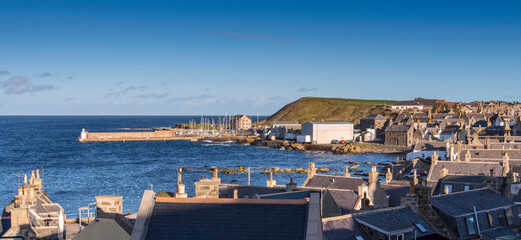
(109, 205)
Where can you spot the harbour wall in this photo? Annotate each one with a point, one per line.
(159, 135)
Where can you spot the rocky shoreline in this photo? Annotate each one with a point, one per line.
(349, 148)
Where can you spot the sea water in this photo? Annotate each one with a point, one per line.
(74, 173)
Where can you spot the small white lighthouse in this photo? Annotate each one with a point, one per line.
(83, 134)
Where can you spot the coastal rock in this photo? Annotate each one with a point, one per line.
(297, 146)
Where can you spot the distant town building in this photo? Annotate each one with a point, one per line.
(240, 122)
(407, 105)
(280, 129)
(325, 132)
(399, 135)
(373, 121)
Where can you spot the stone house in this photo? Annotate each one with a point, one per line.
(240, 122)
(399, 135)
(374, 121)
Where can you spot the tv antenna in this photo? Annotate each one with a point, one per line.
(19, 175)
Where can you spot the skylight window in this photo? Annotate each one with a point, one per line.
(359, 238)
(421, 227)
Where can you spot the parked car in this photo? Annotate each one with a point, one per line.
(342, 141)
(334, 141)
(420, 172)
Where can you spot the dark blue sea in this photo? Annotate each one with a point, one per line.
(74, 172)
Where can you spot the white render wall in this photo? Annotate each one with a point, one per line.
(325, 132)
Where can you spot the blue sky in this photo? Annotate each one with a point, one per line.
(212, 57)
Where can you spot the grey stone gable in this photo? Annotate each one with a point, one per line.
(186, 220)
(335, 182)
(462, 203)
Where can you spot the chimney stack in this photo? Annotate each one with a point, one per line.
(388, 176)
(506, 164)
(215, 177)
(291, 186)
(271, 182)
(373, 175)
(346, 174)
(180, 186)
(312, 170)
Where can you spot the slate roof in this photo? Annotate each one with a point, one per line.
(237, 219)
(464, 168)
(103, 228)
(398, 128)
(245, 191)
(345, 200)
(394, 219)
(335, 182)
(343, 227)
(423, 145)
(287, 195)
(329, 123)
(456, 204)
(407, 103)
(375, 117)
(284, 122)
(502, 233)
(395, 193)
(491, 154)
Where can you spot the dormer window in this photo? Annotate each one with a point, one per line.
(510, 216)
(466, 187)
(471, 225)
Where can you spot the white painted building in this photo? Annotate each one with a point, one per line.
(325, 132)
(406, 105)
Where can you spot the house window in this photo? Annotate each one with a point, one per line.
(400, 237)
(471, 225)
(448, 188)
(510, 216)
(466, 187)
(490, 220)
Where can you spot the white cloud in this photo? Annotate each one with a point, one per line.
(20, 84)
